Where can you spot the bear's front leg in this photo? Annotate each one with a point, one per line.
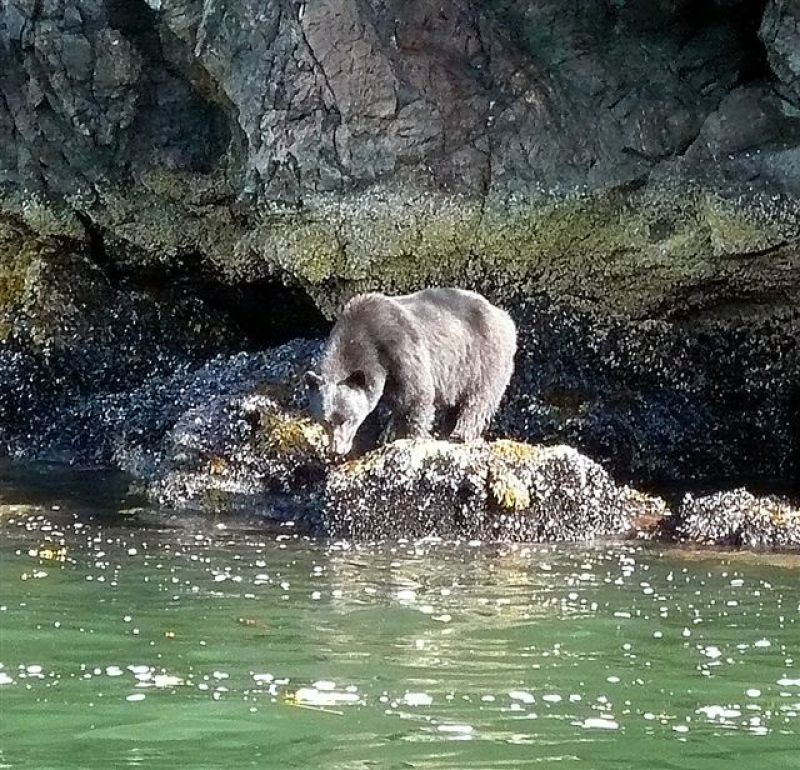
(414, 410)
(418, 422)
(414, 414)
(412, 422)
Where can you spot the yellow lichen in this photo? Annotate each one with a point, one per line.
(778, 515)
(291, 435)
(514, 451)
(217, 466)
(731, 230)
(361, 465)
(507, 489)
(17, 249)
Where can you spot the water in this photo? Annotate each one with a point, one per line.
(135, 640)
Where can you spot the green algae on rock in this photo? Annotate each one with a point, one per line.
(501, 490)
(627, 251)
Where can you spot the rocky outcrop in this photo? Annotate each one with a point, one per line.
(502, 490)
(624, 176)
(69, 331)
(232, 435)
(270, 461)
(165, 122)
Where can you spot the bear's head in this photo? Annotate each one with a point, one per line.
(342, 405)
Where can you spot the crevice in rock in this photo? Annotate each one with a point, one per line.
(137, 21)
(745, 18)
(96, 249)
(178, 124)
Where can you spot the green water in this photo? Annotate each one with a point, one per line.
(138, 641)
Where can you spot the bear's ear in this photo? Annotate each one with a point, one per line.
(312, 379)
(357, 379)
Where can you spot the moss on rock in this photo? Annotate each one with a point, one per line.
(19, 247)
(622, 249)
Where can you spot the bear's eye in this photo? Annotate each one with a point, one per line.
(336, 419)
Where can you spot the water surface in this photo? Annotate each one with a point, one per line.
(130, 639)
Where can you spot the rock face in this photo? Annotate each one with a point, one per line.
(624, 176)
(660, 402)
(69, 331)
(503, 490)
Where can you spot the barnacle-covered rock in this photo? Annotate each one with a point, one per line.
(243, 453)
(739, 518)
(502, 490)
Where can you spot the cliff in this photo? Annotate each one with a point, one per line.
(623, 176)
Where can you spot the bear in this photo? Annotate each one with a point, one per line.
(439, 348)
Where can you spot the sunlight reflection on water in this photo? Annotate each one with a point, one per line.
(209, 644)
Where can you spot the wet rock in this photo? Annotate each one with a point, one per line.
(227, 435)
(501, 490)
(129, 428)
(337, 147)
(242, 454)
(68, 331)
(659, 401)
(739, 518)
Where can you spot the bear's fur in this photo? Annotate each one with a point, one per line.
(437, 348)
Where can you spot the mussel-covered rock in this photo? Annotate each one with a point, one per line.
(739, 518)
(243, 453)
(501, 490)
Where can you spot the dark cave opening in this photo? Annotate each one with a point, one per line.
(266, 312)
(260, 313)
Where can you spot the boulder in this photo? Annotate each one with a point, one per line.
(739, 518)
(242, 454)
(501, 490)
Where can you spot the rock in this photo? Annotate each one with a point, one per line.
(739, 518)
(161, 147)
(661, 402)
(68, 330)
(780, 33)
(223, 436)
(502, 490)
(129, 428)
(266, 461)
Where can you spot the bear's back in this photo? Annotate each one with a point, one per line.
(455, 311)
(465, 336)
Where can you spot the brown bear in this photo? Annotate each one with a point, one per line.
(437, 348)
